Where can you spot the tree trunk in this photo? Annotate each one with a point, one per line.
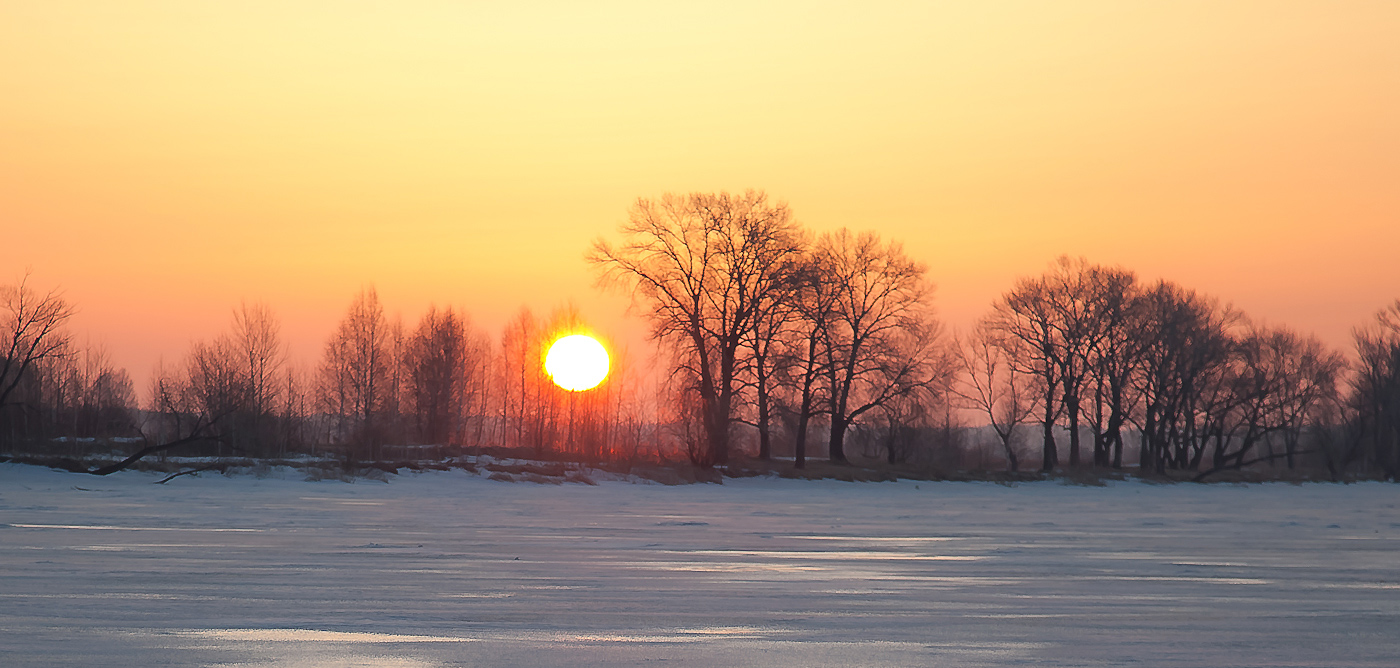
(1118, 448)
(837, 452)
(1072, 407)
(808, 378)
(800, 443)
(1049, 457)
(717, 432)
(765, 448)
(1010, 452)
(1143, 456)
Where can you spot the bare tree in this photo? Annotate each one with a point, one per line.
(1087, 304)
(1310, 377)
(436, 362)
(390, 423)
(1111, 358)
(218, 387)
(777, 314)
(992, 385)
(703, 263)
(524, 386)
(1185, 351)
(31, 325)
(105, 395)
(191, 405)
(354, 372)
(75, 392)
(1069, 325)
(1026, 329)
(1273, 386)
(1376, 390)
(804, 364)
(477, 387)
(258, 343)
(900, 422)
(628, 412)
(295, 415)
(879, 341)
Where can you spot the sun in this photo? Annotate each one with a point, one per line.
(577, 362)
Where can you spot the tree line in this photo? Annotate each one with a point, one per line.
(385, 391)
(766, 319)
(1202, 386)
(380, 390)
(774, 341)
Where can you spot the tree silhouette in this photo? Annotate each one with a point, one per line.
(1376, 389)
(436, 360)
(993, 385)
(355, 373)
(31, 325)
(703, 264)
(879, 341)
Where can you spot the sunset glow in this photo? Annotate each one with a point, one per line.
(163, 162)
(577, 362)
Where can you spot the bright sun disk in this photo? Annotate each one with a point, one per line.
(577, 362)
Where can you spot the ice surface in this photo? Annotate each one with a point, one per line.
(447, 569)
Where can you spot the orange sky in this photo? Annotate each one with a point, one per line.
(164, 160)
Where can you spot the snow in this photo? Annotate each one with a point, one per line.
(450, 569)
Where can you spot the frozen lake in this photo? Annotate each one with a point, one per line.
(448, 569)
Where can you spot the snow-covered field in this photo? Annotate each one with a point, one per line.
(448, 569)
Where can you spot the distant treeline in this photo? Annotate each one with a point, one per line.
(770, 341)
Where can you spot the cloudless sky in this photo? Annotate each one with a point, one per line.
(163, 161)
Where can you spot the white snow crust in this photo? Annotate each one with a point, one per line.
(450, 569)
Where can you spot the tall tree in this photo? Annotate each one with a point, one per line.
(436, 365)
(776, 315)
(105, 398)
(523, 383)
(355, 369)
(1185, 350)
(815, 300)
(1087, 304)
(217, 386)
(1272, 386)
(1376, 390)
(1309, 379)
(258, 343)
(1111, 358)
(879, 340)
(1059, 321)
(1025, 327)
(702, 264)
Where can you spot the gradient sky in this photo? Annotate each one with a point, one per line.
(162, 161)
